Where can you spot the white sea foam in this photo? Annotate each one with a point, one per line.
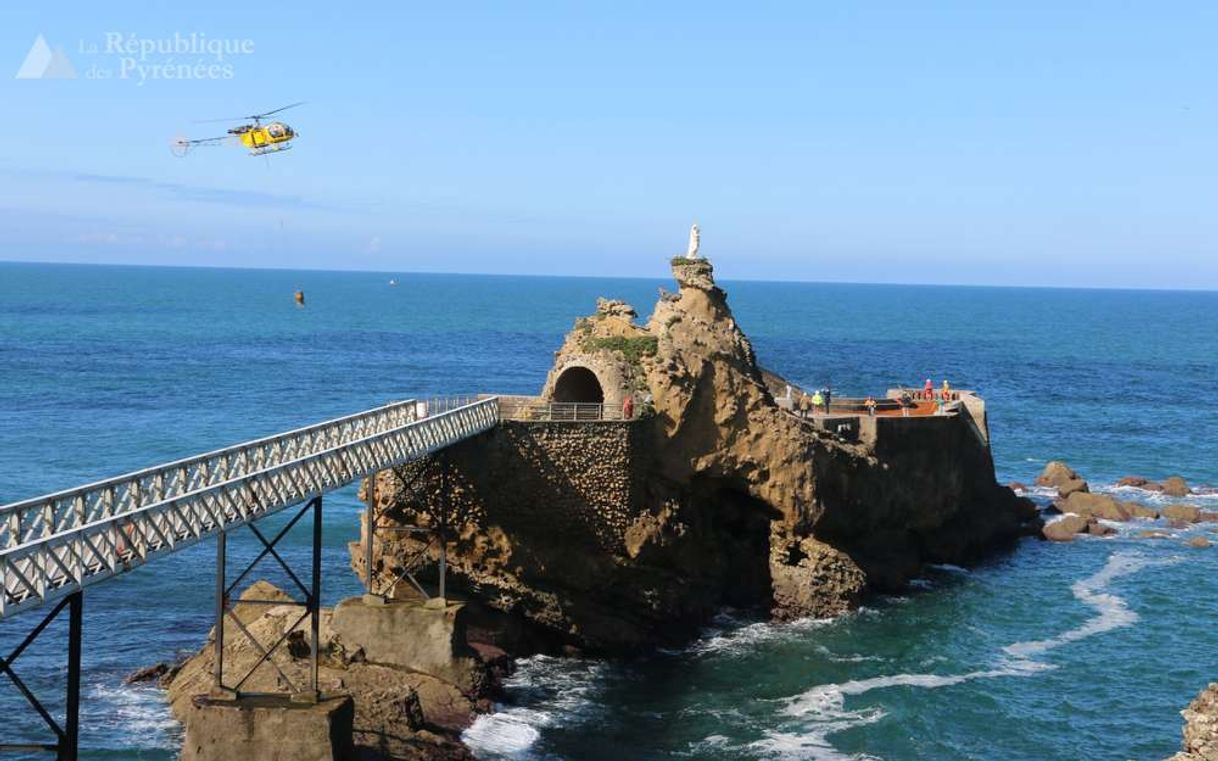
(140, 709)
(745, 639)
(504, 733)
(1113, 612)
(846, 657)
(550, 690)
(948, 567)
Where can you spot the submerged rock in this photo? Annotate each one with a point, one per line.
(1153, 534)
(1199, 542)
(1096, 528)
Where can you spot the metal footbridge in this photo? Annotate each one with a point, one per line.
(54, 546)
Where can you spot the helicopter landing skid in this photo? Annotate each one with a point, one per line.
(263, 151)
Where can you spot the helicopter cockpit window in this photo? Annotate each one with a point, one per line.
(275, 130)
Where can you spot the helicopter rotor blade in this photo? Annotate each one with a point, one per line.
(283, 108)
(249, 116)
(217, 121)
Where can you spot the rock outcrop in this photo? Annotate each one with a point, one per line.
(1176, 486)
(1200, 727)
(1065, 528)
(721, 496)
(399, 713)
(1058, 475)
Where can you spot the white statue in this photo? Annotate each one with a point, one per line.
(695, 238)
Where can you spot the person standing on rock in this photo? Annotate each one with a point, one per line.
(946, 391)
(928, 390)
(628, 408)
(870, 404)
(818, 401)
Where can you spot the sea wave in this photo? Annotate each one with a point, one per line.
(820, 711)
(543, 691)
(729, 637)
(140, 710)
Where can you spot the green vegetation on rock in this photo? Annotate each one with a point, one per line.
(634, 349)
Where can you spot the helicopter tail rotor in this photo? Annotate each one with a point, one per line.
(179, 146)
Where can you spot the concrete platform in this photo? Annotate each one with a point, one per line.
(269, 729)
(428, 637)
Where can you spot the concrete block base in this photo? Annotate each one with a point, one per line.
(426, 637)
(269, 729)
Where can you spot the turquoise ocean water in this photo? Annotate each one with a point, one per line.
(1086, 650)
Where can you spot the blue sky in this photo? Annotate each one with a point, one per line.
(1031, 144)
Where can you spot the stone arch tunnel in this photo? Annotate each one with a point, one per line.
(578, 384)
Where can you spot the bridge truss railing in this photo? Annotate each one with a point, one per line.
(33, 520)
(55, 545)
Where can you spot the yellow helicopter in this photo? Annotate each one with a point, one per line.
(258, 138)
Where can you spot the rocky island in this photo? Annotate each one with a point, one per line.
(660, 475)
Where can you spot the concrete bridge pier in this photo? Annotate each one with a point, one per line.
(299, 724)
(269, 728)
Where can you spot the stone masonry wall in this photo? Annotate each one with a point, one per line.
(576, 484)
(580, 482)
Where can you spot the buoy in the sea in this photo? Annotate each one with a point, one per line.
(299, 298)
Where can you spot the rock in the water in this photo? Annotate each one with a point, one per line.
(1091, 505)
(1062, 477)
(1065, 529)
(1153, 534)
(1142, 511)
(1200, 727)
(148, 673)
(1199, 542)
(1183, 513)
(398, 713)
(1176, 487)
(615, 537)
(823, 579)
(1099, 529)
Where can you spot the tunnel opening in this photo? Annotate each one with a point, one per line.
(578, 384)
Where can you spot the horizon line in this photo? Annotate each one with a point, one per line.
(794, 281)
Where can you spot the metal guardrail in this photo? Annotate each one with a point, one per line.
(41, 517)
(54, 545)
(566, 412)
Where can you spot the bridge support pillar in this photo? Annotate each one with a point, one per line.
(67, 735)
(269, 728)
(222, 689)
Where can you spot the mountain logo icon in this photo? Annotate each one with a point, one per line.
(44, 63)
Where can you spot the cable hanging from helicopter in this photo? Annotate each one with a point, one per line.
(257, 138)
